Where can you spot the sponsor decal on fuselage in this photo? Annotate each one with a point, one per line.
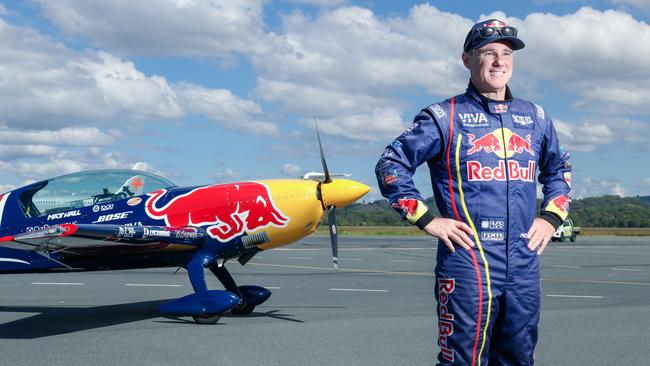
(134, 201)
(103, 207)
(63, 215)
(113, 217)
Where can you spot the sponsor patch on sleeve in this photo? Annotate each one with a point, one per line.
(540, 111)
(412, 209)
(559, 206)
(438, 111)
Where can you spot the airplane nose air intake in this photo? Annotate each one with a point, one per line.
(342, 192)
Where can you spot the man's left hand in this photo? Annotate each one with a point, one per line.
(539, 235)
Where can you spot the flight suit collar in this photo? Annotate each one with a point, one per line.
(494, 106)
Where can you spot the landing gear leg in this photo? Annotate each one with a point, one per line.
(243, 308)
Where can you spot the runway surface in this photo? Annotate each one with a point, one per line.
(378, 310)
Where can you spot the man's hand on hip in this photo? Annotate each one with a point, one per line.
(539, 235)
(451, 232)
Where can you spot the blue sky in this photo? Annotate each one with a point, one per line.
(216, 90)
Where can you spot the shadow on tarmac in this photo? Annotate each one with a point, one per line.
(56, 320)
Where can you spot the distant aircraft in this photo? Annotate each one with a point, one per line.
(125, 219)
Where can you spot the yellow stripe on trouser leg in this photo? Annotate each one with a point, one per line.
(478, 242)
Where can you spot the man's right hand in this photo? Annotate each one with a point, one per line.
(451, 232)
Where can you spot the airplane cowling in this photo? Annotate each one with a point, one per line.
(201, 304)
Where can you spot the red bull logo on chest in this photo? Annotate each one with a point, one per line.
(220, 208)
(502, 142)
(505, 144)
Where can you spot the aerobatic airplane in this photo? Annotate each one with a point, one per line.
(126, 219)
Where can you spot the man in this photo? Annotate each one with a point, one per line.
(483, 149)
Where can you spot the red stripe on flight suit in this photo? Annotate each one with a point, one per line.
(457, 215)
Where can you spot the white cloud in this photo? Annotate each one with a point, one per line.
(590, 187)
(226, 108)
(291, 170)
(159, 28)
(227, 175)
(642, 5)
(589, 53)
(46, 85)
(347, 65)
(73, 136)
(11, 152)
(318, 2)
(379, 125)
(588, 136)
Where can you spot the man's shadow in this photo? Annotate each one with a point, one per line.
(56, 320)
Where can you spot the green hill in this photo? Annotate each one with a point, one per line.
(604, 211)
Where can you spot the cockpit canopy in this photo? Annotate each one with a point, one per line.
(77, 190)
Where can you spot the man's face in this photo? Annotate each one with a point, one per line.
(490, 66)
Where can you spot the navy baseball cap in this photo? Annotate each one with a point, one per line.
(491, 30)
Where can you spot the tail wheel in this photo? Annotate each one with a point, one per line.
(243, 309)
(207, 319)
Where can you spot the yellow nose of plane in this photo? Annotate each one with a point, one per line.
(342, 192)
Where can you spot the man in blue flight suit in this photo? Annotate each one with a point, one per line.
(484, 149)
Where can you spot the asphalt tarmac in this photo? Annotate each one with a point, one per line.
(379, 309)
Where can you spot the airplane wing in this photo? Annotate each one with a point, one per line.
(72, 237)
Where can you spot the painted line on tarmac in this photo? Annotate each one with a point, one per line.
(309, 258)
(150, 285)
(272, 287)
(351, 259)
(599, 282)
(403, 260)
(577, 296)
(565, 267)
(59, 283)
(329, 269)
(357, 290)
(626, 269)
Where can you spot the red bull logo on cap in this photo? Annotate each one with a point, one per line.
(495, 141)
(228, 210)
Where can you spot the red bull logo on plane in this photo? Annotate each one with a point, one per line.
(495, 142)
(217, 208)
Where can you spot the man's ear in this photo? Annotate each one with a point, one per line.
(465, 57)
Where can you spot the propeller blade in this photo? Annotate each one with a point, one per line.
(334, 236)
(322, 156)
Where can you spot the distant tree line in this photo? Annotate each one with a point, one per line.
(604, 211)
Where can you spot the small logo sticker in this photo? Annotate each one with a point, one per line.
(134, 201)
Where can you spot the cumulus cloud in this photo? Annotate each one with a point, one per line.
(173, 27)
(291, 170)
(347, 64)
(587, 136)
(223, 106)
(227, 175)
(70, 136)
(318, 2)
(590, 187)
(587, 52)
(46, 85)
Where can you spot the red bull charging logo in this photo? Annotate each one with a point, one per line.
(493, 143)
(228, 210)
(503, 143)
